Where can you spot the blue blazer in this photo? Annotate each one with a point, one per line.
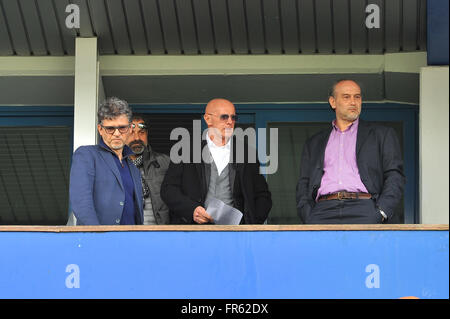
(96, 191)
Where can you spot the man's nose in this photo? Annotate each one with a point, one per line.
(116, 132)
(136, 135)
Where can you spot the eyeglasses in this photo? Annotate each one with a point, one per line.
(141, 126)
(225, 117)
(112, 129)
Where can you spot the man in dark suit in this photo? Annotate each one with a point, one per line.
(351, 173)
(188, 186)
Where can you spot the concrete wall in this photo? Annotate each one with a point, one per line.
(434, 145)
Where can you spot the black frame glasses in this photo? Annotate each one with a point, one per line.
(112, 129)
(225, 117)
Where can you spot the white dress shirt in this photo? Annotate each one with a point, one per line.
(220, 154)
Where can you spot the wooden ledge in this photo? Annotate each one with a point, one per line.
(227, 228)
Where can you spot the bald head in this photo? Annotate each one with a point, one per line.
(339, 83)
(216, 104)
(219, 114)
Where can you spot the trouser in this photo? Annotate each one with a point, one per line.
(347, 211)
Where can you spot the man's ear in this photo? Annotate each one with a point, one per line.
(206, 117)
(332, 102)
(99, 127)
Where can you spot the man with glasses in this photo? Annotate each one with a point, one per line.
(105, 186)
(188, 188)
(153, 167)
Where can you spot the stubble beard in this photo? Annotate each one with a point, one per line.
(350, 117)
(116, 146)
(137, 147)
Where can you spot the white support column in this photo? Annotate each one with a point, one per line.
(101, 89)
(86, 92)
(434, 145)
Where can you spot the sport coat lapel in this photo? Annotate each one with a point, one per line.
(361, 137)
(109, 160)
(322, 144)
(135, 174)
(200, 167)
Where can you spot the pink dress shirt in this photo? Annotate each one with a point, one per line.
(340, 168)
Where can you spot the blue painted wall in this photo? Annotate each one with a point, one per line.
(229, 265)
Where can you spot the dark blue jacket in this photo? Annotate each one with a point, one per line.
(96, 192)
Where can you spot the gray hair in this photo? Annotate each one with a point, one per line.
(113, 107)
(332, 89)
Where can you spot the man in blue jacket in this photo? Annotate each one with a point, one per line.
(105, 186)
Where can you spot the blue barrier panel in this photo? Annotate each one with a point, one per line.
(225, 265)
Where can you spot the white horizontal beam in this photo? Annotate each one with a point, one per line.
(408, 62)
(240, 64)
(37, 66)
(262, 64)
(128, 65)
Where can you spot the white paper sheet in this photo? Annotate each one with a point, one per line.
(222, 213)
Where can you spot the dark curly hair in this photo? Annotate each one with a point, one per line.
(113, 107)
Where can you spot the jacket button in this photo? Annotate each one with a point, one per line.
(121, 203)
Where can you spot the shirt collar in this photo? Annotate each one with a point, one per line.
(351, 128)
(126, 151)
(211, 144)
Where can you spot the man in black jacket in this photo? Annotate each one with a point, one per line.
(351, 173)
(189, 186)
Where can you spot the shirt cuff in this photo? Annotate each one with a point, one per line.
(382, 213)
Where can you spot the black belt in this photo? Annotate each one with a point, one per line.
(344, 195)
